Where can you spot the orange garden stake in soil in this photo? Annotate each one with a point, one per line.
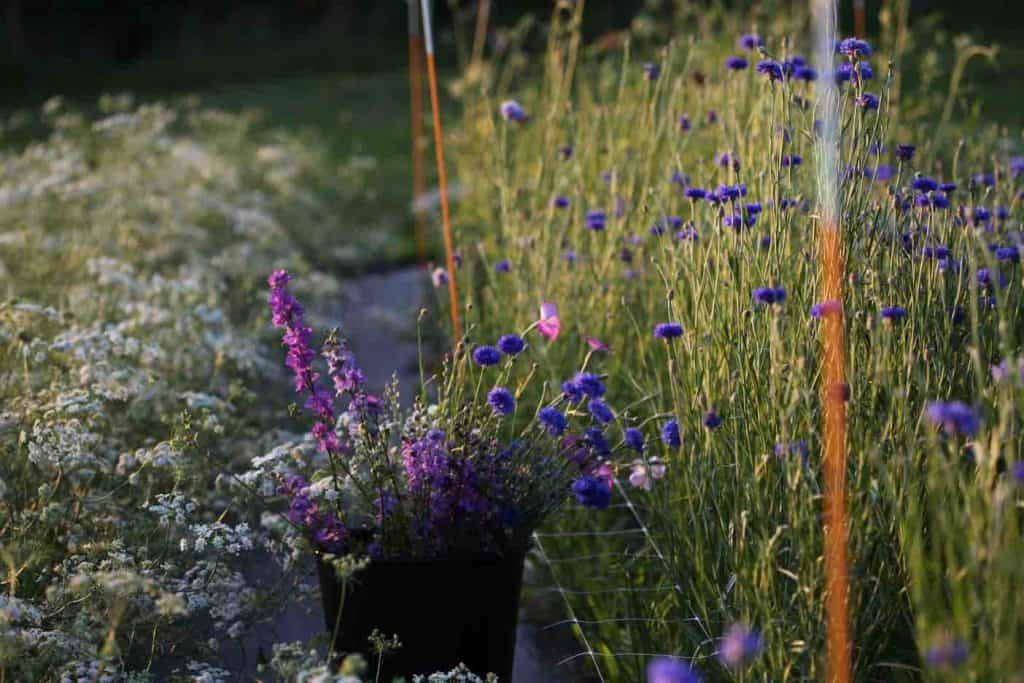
(442, 176)
(836, 527)
(416, 128)
(834, 391)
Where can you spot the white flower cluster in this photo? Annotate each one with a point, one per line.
(93, 671)
(67, 446)
(212, 588)
(131, 366)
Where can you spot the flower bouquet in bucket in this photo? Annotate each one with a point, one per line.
(421, 519)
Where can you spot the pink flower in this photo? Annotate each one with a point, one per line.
(605, 472)
(639, 477)
(549, 325)
(596, 344)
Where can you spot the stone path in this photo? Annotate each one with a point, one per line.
(377, 314)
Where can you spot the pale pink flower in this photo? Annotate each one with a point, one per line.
(604, 471)
(657, 468)
(549, 325)
(639, 478)
(596, 344)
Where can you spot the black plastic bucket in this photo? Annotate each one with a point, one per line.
(445, 612)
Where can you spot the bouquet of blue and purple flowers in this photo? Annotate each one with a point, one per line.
(464, 474)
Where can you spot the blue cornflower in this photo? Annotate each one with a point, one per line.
(939, 251)
(984, 278)
(854, 47)
(695, 193)
(940, 201)
(725, 159)
(883, 173)
(739, 646)
(684, 123)
(986, 179)
(565, 152)
(1017, 166)
(734, 221)
(893, 313)
(712, 420)
(553, 420)
(1018, 472)
(670, 434)
(905, 152)
(503, 266)
(754, 208)
(925, 184)
(1010, 254)
(868, 102)
(571, 391)
(592, 492)
(560, 202)
(750, 42)
(805, 73)
(670, 670)
(501, 400)
(595, 220)
(981, 215)
(651, 71)
(668, 330)
(687, 234)
(486, 356)
(954, 417)
(947, 187)
(794, 448)
(728, 191)
(590, 384)
(736, 63)
(512, 111)
(792, 160)
(511, 344)
(600, 411)
(764, 296)
(947, 653)
(1002, 213)
(771, 69)
(635, 439)
(595, 437)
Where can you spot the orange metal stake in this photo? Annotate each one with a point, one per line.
(442, 176)
(416, 128)
(859, 20)
(836, 526)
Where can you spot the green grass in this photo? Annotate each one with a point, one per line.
(358, 126)
(364, 115)
(933, 528)
(346, 115)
